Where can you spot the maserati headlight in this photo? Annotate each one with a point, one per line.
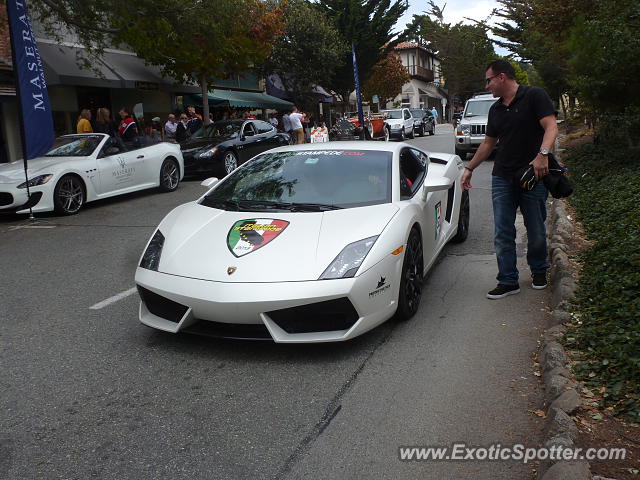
(346, 264)
(151, 258)
(209, 153)
(35, 181)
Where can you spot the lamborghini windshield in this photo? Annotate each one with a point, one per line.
(306, 181)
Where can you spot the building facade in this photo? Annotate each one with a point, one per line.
(118, 79)
(425, 89)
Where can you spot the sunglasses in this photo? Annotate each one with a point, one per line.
(488, 80)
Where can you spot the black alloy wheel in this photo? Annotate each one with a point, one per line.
(387, 134)
(411, 280)
(69, 195)
(169, 175)
(463, 219)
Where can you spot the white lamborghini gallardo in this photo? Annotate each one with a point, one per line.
(306, 243)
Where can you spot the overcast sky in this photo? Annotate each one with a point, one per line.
(454, 11)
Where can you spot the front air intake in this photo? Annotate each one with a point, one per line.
(162, 307)
(329, 316)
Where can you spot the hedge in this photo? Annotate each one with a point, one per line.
(606, 178)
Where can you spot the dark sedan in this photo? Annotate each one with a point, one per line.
(423, 122)
(220, 147)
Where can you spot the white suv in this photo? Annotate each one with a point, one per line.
(400, 122)
(473, 124)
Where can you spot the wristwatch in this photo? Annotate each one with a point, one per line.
(544, 151)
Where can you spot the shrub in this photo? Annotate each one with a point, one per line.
(606, 178)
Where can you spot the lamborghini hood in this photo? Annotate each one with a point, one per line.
(228, 246)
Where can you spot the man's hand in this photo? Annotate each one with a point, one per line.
(466, 179)
(540, 166)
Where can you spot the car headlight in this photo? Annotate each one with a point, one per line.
(346, 264)
(465, 129)
(151, 258)
(35, 181)
(209, 153)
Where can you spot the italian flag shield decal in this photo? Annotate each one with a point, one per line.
(246, 236)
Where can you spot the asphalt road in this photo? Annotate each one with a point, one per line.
(92, 393)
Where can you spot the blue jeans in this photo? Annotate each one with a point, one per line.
(507, 197)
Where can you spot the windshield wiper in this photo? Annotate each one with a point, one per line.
(251, 205)
(259, 205)
(291, 206)
(313, 207)
(221, 204)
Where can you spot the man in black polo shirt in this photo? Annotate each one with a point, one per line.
(523, 121)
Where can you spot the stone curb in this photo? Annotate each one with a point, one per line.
(561, 390)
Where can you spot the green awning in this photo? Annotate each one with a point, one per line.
(235, 98)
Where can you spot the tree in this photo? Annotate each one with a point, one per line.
(307, 53)
(368, 24)
(387, 79)
(537, 31)
(464, 50)
(188, 39)
(604, 65)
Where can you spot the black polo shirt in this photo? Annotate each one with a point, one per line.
(518, 130)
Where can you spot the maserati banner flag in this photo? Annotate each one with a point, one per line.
(37, 122)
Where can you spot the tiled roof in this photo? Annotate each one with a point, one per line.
(403, 45)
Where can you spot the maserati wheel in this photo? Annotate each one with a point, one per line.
(68, 196)
(169, 175)
(230, 162)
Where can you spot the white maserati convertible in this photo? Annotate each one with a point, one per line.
(82, 168)
(304, 243)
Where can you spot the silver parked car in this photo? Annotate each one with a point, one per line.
(472, 126)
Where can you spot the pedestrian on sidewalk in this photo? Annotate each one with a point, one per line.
(435, 114)
(104, 124)
(523, 121)
(182, 129)
(195, 120)
(296, 117)
(170, 127)
(84, 121)
(128, 129)
(286, 124)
